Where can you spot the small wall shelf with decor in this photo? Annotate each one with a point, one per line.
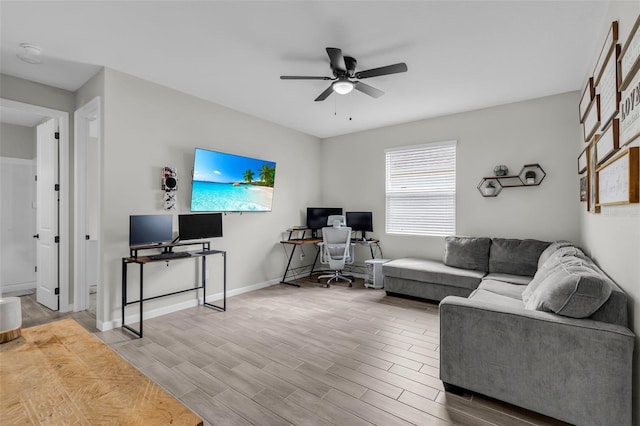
(530, 175)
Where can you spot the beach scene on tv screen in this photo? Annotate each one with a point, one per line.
(227, 182)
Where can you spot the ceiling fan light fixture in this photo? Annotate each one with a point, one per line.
(30, 53)
(342, 87)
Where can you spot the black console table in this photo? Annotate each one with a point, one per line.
(168, 255)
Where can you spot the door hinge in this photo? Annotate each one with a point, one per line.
(56, 135)
(36, 268)
(57, 291)
(56, 239)
(36, 177)
(56, 187)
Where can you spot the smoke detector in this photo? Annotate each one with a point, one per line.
(30, 53)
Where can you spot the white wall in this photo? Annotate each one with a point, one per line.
(613, 236)
(535, 131)
(148, 126)
(17, 141)
(17, 216)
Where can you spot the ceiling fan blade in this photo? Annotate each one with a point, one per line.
(324, 95)
(389, 69)
(369, 90)
(303, 77)
(337, 60)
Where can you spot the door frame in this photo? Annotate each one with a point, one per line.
(81, 288)
(63, 226)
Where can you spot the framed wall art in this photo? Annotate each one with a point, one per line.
(607, 87)
(583, 188)
(607, 144)
(630, 56)
(591, 119)
(617, 179)
(630, 111)
(582, 161)
(609, 43)
(592, 180)
(587, 96)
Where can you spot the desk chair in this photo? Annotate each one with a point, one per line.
(332, 219)
(335, 251)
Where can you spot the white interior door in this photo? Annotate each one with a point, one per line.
(47, 215)
(87, 206)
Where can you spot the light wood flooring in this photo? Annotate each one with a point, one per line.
(309, 356)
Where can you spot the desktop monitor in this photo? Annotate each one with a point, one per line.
(150, 229)
(317, 217)
(360, 221)
(197, 226)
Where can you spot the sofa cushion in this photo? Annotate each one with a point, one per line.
(503, 288)
(552, 249)
(571, 289)
(518, 257)
(509, 278)
(467, 253)
(495, 298)
(432, 271)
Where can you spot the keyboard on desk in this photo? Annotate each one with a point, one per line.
(170, 255)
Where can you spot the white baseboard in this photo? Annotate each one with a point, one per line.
(108, 325)
(16, 287)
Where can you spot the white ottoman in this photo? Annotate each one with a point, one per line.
(10, 318)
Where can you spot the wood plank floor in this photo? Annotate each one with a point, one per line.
(34, 313)
(309, 356)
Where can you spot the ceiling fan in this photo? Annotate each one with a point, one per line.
(344, 71)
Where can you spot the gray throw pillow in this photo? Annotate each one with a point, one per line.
(467, 252)
(547, 268)
(572, 290)
(518, 257)
(553, 247)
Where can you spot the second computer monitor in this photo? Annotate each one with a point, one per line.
(197, 226)
(360, 221)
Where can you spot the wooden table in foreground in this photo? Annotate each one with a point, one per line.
(59, 373)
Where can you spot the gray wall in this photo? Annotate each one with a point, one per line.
(613, 236)
(17, 141)
(534, 131)
(148, 126)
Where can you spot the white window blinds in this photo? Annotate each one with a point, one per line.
(421, 189)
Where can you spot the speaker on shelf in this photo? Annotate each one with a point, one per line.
(169, 179)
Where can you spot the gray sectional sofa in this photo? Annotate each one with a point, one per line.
(532, 323)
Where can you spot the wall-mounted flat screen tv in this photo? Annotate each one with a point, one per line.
(231, 183)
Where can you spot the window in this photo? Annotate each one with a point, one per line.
(421, 189)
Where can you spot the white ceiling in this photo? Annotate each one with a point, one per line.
(461, 55)
(19, 117)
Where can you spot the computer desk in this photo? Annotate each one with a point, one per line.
(202, 252)
(373, 244)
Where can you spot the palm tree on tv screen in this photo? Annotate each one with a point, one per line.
(248, 175)
(267, 174)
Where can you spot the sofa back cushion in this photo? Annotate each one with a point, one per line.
(467, 253)
(518, 257)
(573, 289)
